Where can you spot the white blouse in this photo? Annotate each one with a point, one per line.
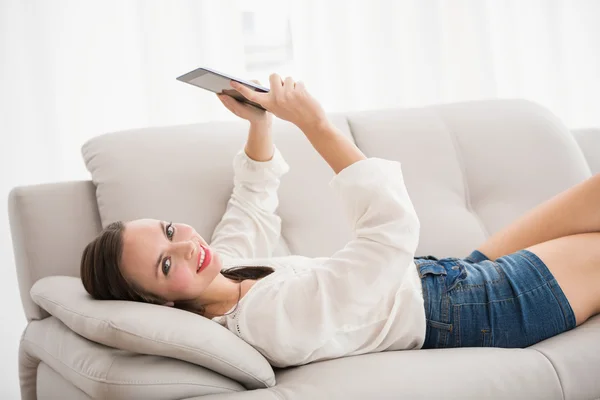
(366, 298)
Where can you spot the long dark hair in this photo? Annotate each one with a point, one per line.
(103, 279)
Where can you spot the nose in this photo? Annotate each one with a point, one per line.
(185, 248)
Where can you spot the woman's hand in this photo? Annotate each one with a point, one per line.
(287, 100)
(259, 145)
(290, 101)
(245, 111)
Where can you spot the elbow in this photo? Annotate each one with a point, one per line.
(398, 234)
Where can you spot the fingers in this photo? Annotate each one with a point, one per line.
(249, 93)
(289, 84)
(275, 85)
(275, 81)
(233, 105)
(228, 102)
(278, 87)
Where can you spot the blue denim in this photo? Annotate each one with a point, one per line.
(511, 302)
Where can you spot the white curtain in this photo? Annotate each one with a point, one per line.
(380, 53)
(73, 69)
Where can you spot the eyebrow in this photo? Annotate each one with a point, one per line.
(160, 223)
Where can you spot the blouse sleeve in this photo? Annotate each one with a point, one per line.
(249, 227)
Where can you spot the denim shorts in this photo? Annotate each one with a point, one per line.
(511, 302)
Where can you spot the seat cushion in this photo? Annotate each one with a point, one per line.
(154, 330)
(465, 373)
(575, 356)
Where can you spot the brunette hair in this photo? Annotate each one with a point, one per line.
(103, 279)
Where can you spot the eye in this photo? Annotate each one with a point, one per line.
(170, 231)
(166, 266)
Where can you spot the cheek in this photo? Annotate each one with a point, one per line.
(180, 280)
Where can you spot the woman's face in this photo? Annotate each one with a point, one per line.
(163, 259)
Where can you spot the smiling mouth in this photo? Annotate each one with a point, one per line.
(204, 257)
(201, 257)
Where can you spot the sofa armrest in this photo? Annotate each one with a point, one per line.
(589, 141)
(105, 372)
(53, 221)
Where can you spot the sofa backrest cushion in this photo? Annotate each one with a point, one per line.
(185, 174)
(153, 330)
(589, 141)
(472, 168)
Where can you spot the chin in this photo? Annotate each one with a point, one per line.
(214, 268)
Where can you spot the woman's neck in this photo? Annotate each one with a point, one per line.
(220, 308)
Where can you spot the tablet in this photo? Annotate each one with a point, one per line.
(218, 82)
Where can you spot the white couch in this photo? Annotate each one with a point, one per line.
(470, 168)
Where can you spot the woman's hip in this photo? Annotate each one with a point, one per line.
(513, 301)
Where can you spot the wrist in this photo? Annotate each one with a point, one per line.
(260, 154)
(259, 145)
(318, 126)
(260, 129)
(265, 122)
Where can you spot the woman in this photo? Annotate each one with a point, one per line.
(534, 279)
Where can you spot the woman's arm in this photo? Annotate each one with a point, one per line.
(249, 227)
(259, 145)
(291, 101)
(335, 148)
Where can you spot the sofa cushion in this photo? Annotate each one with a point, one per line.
(463, 373)
(102, 372)
(574, 355)
(589, 141)
(471, 168)
(151, 329)
(137, 172)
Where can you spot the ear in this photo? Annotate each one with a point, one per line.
(169, 304)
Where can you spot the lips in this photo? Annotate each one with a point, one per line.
(207, 258)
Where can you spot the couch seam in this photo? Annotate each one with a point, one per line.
(107, 389)
(463, 171)
(277, 394)
(562, 389)
(153, 340)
